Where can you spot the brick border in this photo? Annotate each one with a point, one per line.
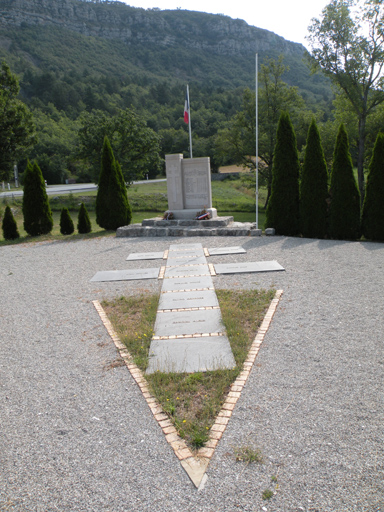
(194, 465)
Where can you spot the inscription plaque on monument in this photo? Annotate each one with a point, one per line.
(188, 186)
(197, 183)
(174, 182)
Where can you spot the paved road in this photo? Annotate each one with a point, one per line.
(67, 189)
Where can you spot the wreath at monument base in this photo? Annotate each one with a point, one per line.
(203, 215)
(168, 216)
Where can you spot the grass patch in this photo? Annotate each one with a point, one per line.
(243, 312)
(55, 233)
(191, 400)
(133, 319)
(71, 202)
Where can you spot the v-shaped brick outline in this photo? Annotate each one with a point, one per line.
(195, 466)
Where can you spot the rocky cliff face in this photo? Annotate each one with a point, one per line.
(116, 20)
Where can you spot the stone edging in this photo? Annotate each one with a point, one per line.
(195, 466)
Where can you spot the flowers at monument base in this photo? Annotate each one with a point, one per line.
(203, 215)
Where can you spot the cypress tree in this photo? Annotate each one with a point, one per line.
(314, 187)
(344, 211)
(283, 206)
(122, 213)
(9, 225)
(66, 223)
(112, 207)
(36, 210)
(102, 197)
(372, 218)
(83, 222)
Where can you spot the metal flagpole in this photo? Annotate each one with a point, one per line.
(189, 124)
(257, 141)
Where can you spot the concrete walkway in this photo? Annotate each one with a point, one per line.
(189, 335)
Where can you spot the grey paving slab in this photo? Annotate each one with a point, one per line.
(194, 270)
(186, 260)
(192, 253)
(187, 283)
(220, 251)
(183, 247)
(126, 275)
(145, 256)
(179, 300)
(179, 323)
(238, 268)
(190, 355)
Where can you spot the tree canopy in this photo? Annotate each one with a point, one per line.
(237, 141)
(134, 144)
(17, 131)
(348, 46)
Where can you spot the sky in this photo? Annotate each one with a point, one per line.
(287, 18)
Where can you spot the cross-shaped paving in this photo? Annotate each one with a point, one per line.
(189, 335)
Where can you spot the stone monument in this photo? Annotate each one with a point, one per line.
(189, 186)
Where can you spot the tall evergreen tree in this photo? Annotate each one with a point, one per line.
(83, 222)
(36, 210)
(314, 187)
(112, 207)
(372, 219)
(9, 225)
(344, 212)
(124, 196)
(283, 206)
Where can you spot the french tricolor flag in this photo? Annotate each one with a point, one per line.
(186, 108)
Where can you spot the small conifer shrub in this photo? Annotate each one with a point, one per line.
(372, 219)
(83, 222)
(9, 225)
(66, 223)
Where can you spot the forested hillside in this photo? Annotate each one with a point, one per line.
(74, 58)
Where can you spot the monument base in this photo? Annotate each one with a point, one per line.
(191, 214)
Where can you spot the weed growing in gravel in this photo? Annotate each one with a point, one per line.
(267, 494)
(248, 454)
(191, 400)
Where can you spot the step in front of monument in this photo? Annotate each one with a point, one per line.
(201, 228)
(217, 222)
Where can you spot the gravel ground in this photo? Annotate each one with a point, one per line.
(76, 435)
